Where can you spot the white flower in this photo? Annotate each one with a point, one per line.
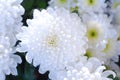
(98, 29)
(10, 14)
(90, 69)
(101, 43)
(53, 38)
(91, 5)
(8, 60)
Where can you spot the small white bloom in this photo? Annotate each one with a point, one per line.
(53, 38)
(91, 5)
(98, 29)
(101, 43)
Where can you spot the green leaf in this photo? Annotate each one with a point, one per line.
(117, 78)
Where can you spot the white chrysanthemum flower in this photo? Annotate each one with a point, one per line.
(8, 60)
(98, 29)
(101, 43)
(90, 69)
(53, 38)
(10, 14)
(91, 5)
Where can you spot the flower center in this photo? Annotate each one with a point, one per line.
(118, 38)
(52, 41)
(88, 53)
(92, 33)
(63, 1)
(91, 2)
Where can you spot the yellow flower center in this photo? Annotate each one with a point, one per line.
(52, 41)
(88, 53)
(118, 38)
(91, 2)
(63, 1)
(92, 34)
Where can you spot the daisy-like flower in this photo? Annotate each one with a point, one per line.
(98, 29)
(8, 60)
(101, 43)
(90, 69)
(91, 5)
(53, 38)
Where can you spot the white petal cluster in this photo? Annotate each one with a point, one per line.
(98, 29)
(90, 69)
(101, 43)
(115, 13)
(8, 61)
(91, 5)
(53, 39)
(10, 14)
(10, 23)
